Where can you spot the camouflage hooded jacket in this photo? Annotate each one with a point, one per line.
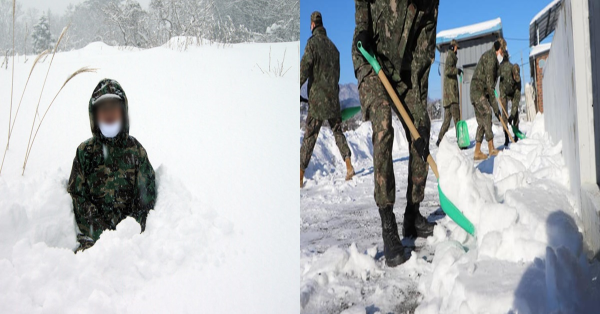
(484, 79)
(111, 178)
(320, 65)
(451, 80)
(508, 84)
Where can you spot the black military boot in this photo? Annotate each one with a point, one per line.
(439, 141)
(392, 246)
(415, 225)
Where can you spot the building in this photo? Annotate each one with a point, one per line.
(537, 61)
(473, 40)
(541, 27)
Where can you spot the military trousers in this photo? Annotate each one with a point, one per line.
(451, 112)
(375, 99)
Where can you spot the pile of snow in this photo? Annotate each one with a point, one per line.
(326, 156)
(210, 122)
(528, 255)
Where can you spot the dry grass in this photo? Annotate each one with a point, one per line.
(62, 34)
(12, 125)
(80, 71)
(276, 70)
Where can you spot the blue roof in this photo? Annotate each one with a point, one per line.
(470, 31)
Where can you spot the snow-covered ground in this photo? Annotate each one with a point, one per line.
(217, 132)
(528, 256)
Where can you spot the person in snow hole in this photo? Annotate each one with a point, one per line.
(111, 177)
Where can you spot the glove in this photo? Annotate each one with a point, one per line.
(513, 119)
(460, 72)
(366, 39)
(421, 148)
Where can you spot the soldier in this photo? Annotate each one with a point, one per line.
(402, 36)
(483, 84)
(451, 102)
(510, 90)
(111, 177)
(320, 65)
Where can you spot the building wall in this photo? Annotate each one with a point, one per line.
(540, 61)
(568, 112)
(468, 56)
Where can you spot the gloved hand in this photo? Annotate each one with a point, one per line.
(460, 72)
(513, 119)
(366, 39)
(497, 114)
(421, 148)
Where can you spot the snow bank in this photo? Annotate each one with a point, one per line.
(326, 158)
(528, 254)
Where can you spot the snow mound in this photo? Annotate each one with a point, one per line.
(528, 241)
(326, 158)
(120, 264)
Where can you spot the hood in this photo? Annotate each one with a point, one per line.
(108, 88)
(319, 30)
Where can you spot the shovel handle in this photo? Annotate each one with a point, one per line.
(392, 93)
(500, 118)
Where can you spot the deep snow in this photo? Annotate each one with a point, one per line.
(217, 132)
(528, 256)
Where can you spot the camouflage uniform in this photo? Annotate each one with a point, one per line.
(111, 178)
(510, 89)
(404, 38)
(451, 94)
(483, 84)
(320, 65)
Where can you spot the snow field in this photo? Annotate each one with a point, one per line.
(210, 121)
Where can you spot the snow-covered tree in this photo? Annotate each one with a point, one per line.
(42, 38)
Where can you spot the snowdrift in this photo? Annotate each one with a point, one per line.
(215, 186)
(528, 254)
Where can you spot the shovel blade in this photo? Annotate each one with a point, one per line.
(462, 134)
(454, 213)
(348, 113)
(518, 133)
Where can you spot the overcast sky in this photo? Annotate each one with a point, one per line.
(59, 6)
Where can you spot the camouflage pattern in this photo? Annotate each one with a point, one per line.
(510, 90)
(404, 37)
(320, 65)
(483, 84)
(451, 93)
(111, 178)
(451, 112)
(313, 126)
(483, 115)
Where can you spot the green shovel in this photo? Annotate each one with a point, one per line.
(462, 129)
(348, 113)
(452, 211)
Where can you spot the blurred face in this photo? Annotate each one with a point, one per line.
(109, 111)
(455, 49)
(312, 26)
